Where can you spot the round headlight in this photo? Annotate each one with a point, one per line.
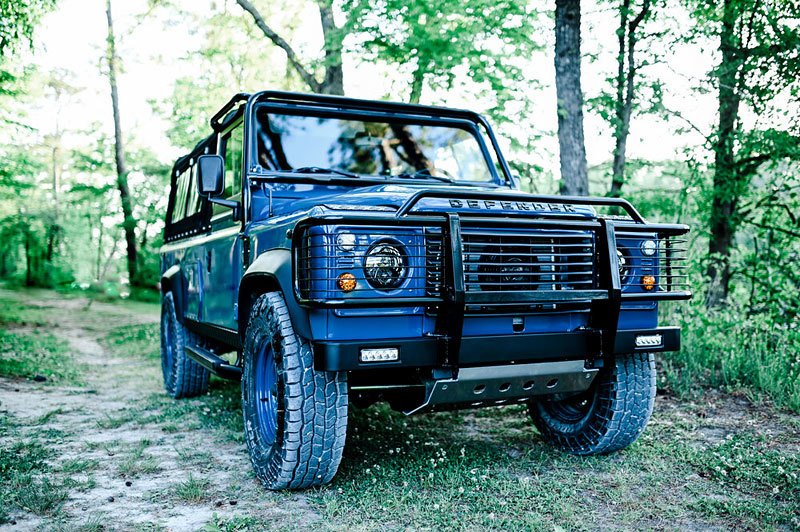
(385, 266)
(623, 265)
(346, 241)
(648, 248)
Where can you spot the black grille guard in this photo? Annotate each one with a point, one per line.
(606, 299)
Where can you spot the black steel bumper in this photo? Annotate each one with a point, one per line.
(491, 350)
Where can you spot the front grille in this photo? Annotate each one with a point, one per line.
(497, 262)
(521, 262)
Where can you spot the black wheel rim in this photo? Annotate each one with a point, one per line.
(266, 392)
(168, 350)
(571, 409)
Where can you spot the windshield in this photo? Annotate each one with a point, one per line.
(372, 148)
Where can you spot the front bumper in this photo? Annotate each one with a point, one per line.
(493, 350)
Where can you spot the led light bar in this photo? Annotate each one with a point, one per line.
(382, 354)
(649, 340)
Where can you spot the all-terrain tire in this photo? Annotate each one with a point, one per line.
(611, 415)
(183, 377)
(297, 438)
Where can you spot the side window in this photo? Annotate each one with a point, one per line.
(232, 152)
(179, 208)
(193, 200)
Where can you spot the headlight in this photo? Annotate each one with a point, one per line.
(623, 265)
(385, 266)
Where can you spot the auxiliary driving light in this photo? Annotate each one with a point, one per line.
(383, 354)
(648, 340)
(649, 282)
(347, 282)
(648, 248)
(346, 241)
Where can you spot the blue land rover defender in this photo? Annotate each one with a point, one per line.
(326, 250)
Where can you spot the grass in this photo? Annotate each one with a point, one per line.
(734, 351)
(25, 483)
(135, 341)
(135, 462)
(193, 490)
(482, 469)
(433, 472)
(29, 353)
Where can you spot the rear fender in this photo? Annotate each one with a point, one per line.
(271, 272)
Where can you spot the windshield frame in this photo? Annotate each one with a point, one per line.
(405, 118)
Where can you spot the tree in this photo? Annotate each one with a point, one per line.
(333, 73)
(18, 21)
(627, 38)
(129, 222)
(759, 59)
(574, 178)
(485, 38)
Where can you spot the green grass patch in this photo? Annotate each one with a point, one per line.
(30, 353)
(135, 341)
(193, 490)
(735, 351)
(25, 483)
(136, 462)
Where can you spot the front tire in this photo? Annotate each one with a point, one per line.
(183, 377)
(608, 417)
(295, 417)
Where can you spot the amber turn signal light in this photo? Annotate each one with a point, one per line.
(649, 282)
(347, 282)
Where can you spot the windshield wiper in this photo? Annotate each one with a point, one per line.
(424, 174)
(320, 170)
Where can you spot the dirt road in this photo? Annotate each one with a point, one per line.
(110, 451)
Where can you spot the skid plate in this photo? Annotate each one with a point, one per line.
(496, 385)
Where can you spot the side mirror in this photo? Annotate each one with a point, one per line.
(211, 182)
(210, 175)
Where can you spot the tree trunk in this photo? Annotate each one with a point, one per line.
(416, 85)
(333, 82)
(623, 105)
(574, 179)
(725, 188)
(334, 71)
(129, 223)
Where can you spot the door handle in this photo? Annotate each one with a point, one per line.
(208, 260)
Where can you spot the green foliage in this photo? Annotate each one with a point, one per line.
(18, 19)
(736, 350)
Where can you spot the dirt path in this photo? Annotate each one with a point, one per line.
(133, 470)
(129, 458)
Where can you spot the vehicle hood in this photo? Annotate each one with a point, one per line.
(391, 197)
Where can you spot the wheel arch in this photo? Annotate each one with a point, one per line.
(172, 281)
(271, 272)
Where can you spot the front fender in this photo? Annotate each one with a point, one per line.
(271, 272)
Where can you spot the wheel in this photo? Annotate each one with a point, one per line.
(609, 416)
(295, 418)
(183, 377)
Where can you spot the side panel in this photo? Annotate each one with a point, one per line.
(220, 277)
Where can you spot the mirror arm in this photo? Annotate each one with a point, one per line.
(235, 205)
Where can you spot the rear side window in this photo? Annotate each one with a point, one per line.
(193, 199)
(181, 186)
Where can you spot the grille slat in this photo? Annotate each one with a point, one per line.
(520, 262)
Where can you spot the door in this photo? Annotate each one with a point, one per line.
(223, 249)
